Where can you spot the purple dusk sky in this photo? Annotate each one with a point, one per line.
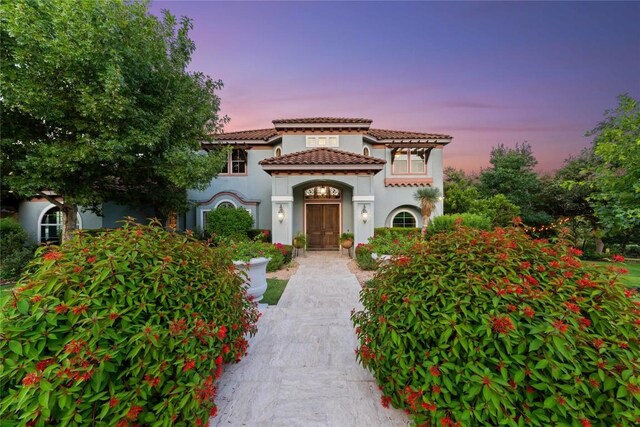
(485, 73)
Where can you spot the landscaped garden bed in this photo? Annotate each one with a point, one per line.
(481, 327)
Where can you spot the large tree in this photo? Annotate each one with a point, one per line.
(97, 105)
(460, 191)
(617, 175)
(511, 173)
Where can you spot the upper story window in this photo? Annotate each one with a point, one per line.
(366, 152)
(409, 161)
(237, 163)
(278, 152)
(323, 141)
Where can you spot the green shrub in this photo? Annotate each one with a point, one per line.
(400, 232)
(393, 244)
(493, 328)
(497, 208)
(229, 222)
(447, 222)
(259, 234)
(128, 326)
(15, 252)
(244, 250)
(363, 257)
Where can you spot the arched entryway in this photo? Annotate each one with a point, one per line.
(323, 216)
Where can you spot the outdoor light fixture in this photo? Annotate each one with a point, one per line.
(280, 214)
(365, 214)
(323, 191)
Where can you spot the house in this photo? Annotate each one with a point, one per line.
(321, 176)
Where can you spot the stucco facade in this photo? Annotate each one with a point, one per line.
(299, 154)
(320, 176)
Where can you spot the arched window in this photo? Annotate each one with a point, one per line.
(51, 226)
(322, 192)
(225, 204)
(278, 151)
(404, 219)
(366, 151)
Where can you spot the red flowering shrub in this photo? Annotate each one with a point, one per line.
(136, 336)
(487, 328)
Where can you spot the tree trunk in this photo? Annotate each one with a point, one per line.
(69, 221)
(599, 245)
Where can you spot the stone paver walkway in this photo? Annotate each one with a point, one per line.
(301, 369)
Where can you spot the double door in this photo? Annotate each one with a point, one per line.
(323, 226)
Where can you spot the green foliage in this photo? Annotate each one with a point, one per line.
(427, 197)
(511, 173)
(459, 190)
(263, 235)
(617, 146)
(493, 328)
(229, 222)
(346, 236)
(448, 222)
(244, 250)
(363, 257)
(398, 232)
(97, 105)
(393, 244)
(132, 325)
(15, 252)
(300, 240)
(497, 208)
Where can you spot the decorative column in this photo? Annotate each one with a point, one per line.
(282, 219)
(363, 208)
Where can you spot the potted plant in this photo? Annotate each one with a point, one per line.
(346, 240)
(300, 240)
(251, 263)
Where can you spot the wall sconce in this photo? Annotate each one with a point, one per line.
(365, 214)
(280, 214)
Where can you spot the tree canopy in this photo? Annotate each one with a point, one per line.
(511, 173)
(98, 105)
(617, 149)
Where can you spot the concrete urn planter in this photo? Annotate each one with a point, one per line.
(255, 271)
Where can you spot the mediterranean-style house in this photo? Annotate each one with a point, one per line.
(321, 176)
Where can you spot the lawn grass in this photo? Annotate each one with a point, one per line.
(631, 279)
(275, 288)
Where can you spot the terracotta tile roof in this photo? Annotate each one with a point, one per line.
(322, 156)
(407, 182)
(255, 134)
(323, 120)
(385, 134)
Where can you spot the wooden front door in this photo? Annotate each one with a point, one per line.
(323, 226)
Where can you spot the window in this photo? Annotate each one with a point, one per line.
(410, 160)
(225, 204)
(278, 151)
(322, 141)
(366, 151)
(404, 219)
(237, 162)
(322, 192)
(51, 226)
